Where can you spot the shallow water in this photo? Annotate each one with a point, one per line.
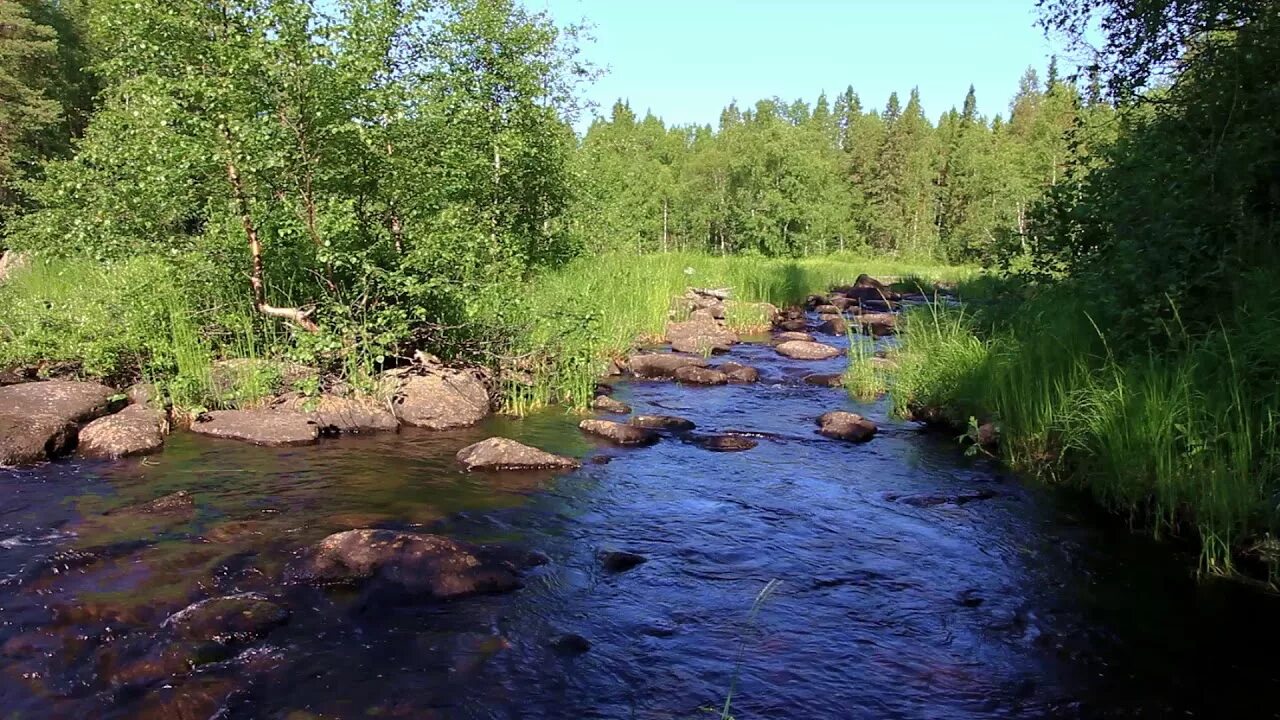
(893, 603)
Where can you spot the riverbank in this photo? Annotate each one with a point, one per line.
(1181, 439)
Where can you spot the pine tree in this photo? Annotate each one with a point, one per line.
(27, 109)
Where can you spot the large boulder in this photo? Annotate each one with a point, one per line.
(333, 413)
(136, 430)
(30, 439)
(661, 365)
(67, 400)
(878, 324)
(505, 454)
(694, 375)
(700, 336)
(803, 350)
(260, 427)
(846, 426)
(442, 399)
(417, 564)
(618, 433)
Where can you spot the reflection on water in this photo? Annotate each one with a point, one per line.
(1023, 603)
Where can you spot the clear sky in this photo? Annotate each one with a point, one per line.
(685, 60)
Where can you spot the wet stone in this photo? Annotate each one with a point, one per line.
(726, 443)
(792, 335)
(228, 620)
(617, 561)
(801, 350)
(793, 325)
(505, 454)
(846, 426)
(618, 433)
(738, 373)
(834, 326)
(136, 430)
(700, 336)
(604, 403)
(925, 500)
(825, 379)
(691, 375)
(31, 439)
(662, 422)
(570, 644)
(662, 365)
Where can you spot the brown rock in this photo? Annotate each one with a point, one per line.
(67, 400)
(793, 325)
(136, 430)
(608, 404)
(230, 619)
(417, 564)
(693, 375)
(726, 443)
(834, 326)
(802, 350)
(143, 393)
(662, 422)
(260, 427)
(661, 365)
(30, 439)
(792, 335)
(504, 454)
(352, 415)
(442, 399)
(175, 503)
(738, 373)
(878, 324)
(700, 336)
(825, 379)
(827, 309)
(846, 426)
(618, 433)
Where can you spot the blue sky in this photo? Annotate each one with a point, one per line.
(685, 60)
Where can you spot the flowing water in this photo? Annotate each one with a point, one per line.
(915, 582)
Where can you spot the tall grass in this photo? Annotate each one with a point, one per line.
(1178, 439)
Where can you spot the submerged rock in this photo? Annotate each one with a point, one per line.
(619, 433)
(336, 414)
(738, 373)
(570, 644)
(175, 503)
(442, 399)
(802, 350)
(419, 565)
(230, 619)
(791, 335)
(498, 453)
(136, 430)
(923, 500)
(700, 336)
(30, 439)
(693, 375)
(825, 379)
(260, 427)
(726, 443)
(846, 426)
(662, 422)
(618, 561)
(607, 404)
(661, 365)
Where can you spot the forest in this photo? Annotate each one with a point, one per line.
(184, 180)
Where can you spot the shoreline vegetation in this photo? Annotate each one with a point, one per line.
(390, 184)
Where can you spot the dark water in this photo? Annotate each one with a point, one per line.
(891, 604)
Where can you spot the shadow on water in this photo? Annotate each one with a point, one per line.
(915, 582)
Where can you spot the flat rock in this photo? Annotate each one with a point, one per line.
(230, 619)
(348, 415)
(694, 375)
(802, 350)
(442, 399)
(30, 439)
(738, 373)
(846, 426)
(662, 422)
(617, 561)
(726, 443)
(607, 404)
(791, 335)
(68, 400)
(260, 427)
(136, 430)
(661, 365)
(418, 564)
(619, 433)
(498, 453)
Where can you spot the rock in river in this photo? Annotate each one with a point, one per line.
(825, 379)
(617, 561)
(33, 438)
(608, 404)
(726, 443)
(738, 373)
(417, 564)
(700, 335)
(694, 375)
(504, 454)
(661, 365)
(442, 399)
(846, 426)
(791, 335)
(67, 400)
(833, 326)
(662, 422)
(136, 430)
(230, 619)
(618, 433)
(801, 350)
(348, 415)
(260, 427)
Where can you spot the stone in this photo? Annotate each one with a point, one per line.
(661, 365)
(175, 503)
(738, 373)
(260, 427)
(30, 439)
(570, 644)
(827, 309)
(662, 422)
(814, 301)
(793, 325)
(802, 350)
(619, 433)
(693, 375)
(618, 561)
(346, 415)
(143, 393)
(846, 426)
(878, 324)
(136, 430)
(498, 453)
(442, 399)
(68, 400)
(791, 335)
(416, 564)
(825, 379)
(605, 403)
(700, 336)
(834, 326)
(231, 619)
(726, 443)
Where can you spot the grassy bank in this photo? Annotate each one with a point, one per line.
(1180, 435)
(165, 321)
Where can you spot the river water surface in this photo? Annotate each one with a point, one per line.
(915, 582)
